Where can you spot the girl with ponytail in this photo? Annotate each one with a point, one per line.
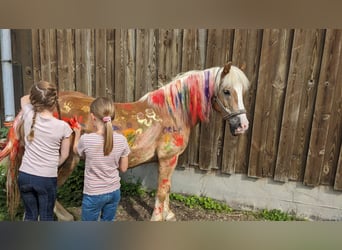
(105, 153)
(47, 146)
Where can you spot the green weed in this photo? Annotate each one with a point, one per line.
(275, 215)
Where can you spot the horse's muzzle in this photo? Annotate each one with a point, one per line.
(237, 125)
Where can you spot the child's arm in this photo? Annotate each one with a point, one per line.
(24, 100)
(77, 131)
(65, 146)
(123, 164)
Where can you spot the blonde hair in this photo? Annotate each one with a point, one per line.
(103, 109)
(43, 96)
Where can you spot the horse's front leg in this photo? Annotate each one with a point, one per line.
(63, 174)
(162, 209)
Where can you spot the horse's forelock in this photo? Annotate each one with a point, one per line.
(237, 76)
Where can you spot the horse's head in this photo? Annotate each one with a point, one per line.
(228, 97)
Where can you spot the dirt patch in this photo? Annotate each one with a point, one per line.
(140, 209)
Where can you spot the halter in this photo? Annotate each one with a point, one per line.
(226, 112)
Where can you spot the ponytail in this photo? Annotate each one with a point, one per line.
(108, 136)
(104, 110)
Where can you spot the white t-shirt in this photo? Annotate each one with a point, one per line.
(101, 173)
(41, 155)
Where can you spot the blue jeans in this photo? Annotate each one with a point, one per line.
(38, 195)
(103, 204)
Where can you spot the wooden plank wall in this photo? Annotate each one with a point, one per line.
(294, 104)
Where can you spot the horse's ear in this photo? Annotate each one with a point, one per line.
(226, 69)
(243, 66)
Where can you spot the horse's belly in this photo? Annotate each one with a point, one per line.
(140, 156)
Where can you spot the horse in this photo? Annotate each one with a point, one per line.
(157, 125)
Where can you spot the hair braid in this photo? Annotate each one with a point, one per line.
(58, 108)
(30, 136)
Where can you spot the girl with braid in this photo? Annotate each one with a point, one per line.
(46, 148)
(105, 152)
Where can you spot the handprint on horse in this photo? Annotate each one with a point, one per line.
(158, 124)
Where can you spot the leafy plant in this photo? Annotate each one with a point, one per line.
(3, 132)
(201, 201)
(275, 215)
(132, 189)
(70, 193)
(3, 206)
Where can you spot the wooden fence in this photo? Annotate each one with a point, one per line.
(294, 103)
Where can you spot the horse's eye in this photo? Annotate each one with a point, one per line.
(226, 92)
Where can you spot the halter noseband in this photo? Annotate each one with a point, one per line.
(226, 112)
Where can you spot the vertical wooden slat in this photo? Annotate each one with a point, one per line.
(219, 47)
(194, 43)
(124, 65)
(35, 58)
(84, 60)
(66, 59)
(269, 102)
(338, 176)
(332, 147)
(130, 80)
(22, 57)
(120, 69)
(169, 56)
(100, 62)
(326, 127)
(110, 60)
(146, 62)
(301, 87)
(48, 55)
(246, 52)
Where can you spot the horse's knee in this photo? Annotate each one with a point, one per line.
(161, 194)
(163, 190)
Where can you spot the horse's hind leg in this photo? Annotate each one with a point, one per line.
(161, 209)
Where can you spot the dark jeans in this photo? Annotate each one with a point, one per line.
(103, 205)
(39, 196)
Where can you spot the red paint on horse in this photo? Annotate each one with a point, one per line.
(178, 140)
(127, 106)
(158, 97)
(173, 161)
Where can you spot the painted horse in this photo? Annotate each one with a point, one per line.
(156, 125)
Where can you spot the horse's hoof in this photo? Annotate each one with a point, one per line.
(61, 213)
(156, 217)
(170, 217)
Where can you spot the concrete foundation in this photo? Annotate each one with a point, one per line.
(242, 192)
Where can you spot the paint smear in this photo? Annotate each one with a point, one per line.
(178, 140)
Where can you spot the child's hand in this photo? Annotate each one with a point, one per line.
(77, 129)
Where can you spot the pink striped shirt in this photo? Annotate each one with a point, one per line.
(101, 173)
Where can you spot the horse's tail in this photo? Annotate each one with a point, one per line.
(5, 151)
(13, 151)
